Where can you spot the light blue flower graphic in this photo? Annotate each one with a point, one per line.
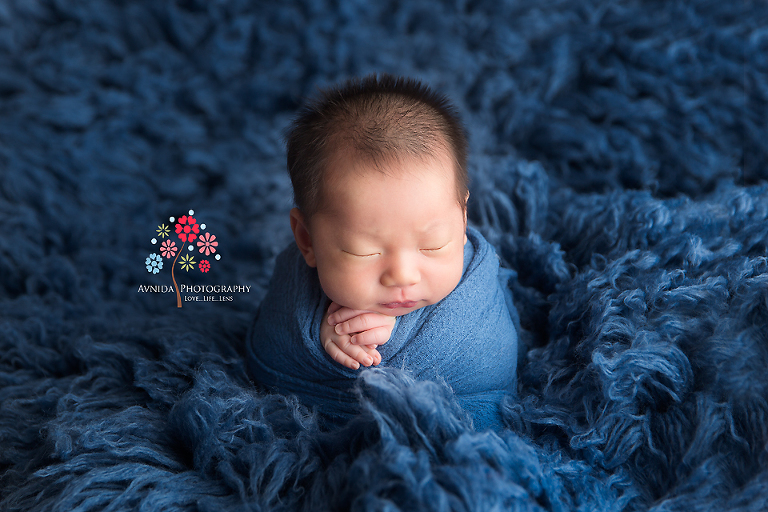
(154, 263)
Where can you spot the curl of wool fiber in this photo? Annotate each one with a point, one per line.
(618, 166)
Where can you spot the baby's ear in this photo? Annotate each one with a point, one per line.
(466, 200)
(302, 237)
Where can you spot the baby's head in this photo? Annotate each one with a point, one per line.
(379, 176)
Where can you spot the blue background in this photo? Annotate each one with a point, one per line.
(618, 164)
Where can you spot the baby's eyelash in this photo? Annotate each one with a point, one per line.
(361, 255)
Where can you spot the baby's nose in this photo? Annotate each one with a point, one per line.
(401, 272)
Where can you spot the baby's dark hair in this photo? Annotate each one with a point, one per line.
(375, 118)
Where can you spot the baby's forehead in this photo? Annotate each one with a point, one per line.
(338, 177)
(345, 158)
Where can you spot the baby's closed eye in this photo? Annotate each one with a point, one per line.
(434, 248)
(364, 254)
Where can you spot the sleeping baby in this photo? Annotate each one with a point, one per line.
(384, 269)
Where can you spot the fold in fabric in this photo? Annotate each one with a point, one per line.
(467, 340)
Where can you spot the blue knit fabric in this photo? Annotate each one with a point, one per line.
(618, 166)
(467, 340)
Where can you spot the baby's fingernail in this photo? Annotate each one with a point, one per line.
(356, 366)
(368, 361)
(337, 328)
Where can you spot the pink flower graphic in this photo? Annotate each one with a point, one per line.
(168, 249)
(207, 244)
(190, 233)
(187, 228)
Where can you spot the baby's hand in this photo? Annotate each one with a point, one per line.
(364, 327)
(351, 337)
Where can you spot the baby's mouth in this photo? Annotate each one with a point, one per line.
(405, 305)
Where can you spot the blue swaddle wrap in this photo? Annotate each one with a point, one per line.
(467, 340)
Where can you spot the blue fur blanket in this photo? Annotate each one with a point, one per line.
(618, 166)
(467, 340)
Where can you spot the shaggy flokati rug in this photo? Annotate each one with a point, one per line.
(619, 166)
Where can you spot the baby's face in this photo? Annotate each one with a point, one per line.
(389, 243)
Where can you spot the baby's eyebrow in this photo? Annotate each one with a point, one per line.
(433, 225)
(348, 234)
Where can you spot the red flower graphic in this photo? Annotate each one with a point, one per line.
(168, 249)
(180, 250)
(207, 244)
(187, 228)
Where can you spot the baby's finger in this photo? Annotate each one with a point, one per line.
(374, 354)
(364, 322)
(375, 336)
(361, 355)
(342, 314)
(332, 308)
(339, 356)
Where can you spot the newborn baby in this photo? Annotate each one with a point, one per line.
(384, 269)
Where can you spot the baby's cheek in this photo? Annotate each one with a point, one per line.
(340, 287)
(327, 281)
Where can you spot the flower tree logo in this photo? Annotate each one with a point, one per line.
(188, 232)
